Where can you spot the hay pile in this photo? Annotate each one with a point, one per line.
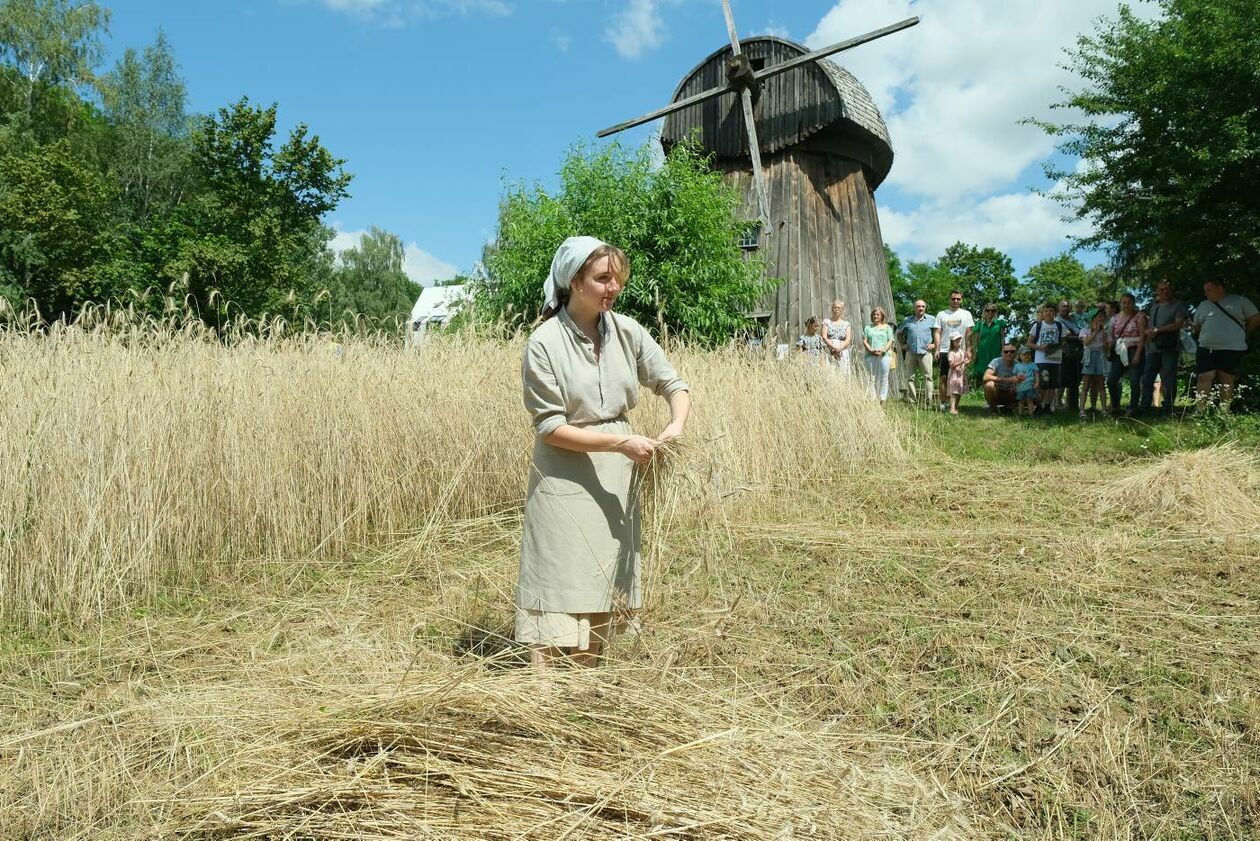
(1212, 489)
(620, 752)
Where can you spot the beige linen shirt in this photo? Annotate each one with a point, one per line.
(565, 384)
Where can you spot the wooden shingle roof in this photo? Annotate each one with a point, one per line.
(820, 98)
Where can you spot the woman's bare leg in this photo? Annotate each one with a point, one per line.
(599, 635)
(542, 656)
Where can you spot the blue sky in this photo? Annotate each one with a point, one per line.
(435, 103)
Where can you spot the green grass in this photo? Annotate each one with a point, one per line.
(1064, 437)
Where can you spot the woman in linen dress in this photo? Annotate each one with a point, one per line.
(582, 368)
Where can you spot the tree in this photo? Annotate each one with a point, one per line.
(1051, 281)
(929, 281)
(1169, 141)
(143, 99)
(251, 235)
(983, 275)
(50, 43)
(678, 221)
(902, 293)
(55, 240)
(370, 282)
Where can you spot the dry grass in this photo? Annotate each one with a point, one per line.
(837, 642)
(1212, 489)
(475, 756)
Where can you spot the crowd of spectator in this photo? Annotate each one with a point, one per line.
(1074, 356)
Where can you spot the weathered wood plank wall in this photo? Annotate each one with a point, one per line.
(824, 242)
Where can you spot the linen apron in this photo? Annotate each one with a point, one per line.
(580, 548)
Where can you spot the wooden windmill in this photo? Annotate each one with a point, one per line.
(803, 140)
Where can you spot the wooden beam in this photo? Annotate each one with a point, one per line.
(730, 26)
(873, 35)
(754, 145)
(754, 152)
(704, 96)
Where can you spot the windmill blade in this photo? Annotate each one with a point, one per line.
(838, 47)
(730, 25)
(754, 152)
(750, 125)
(704, 96)
(714, 93)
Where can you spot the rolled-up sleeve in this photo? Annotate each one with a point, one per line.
(655, 372)
(543, 400)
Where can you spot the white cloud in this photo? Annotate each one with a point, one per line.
(424, 268)
(401, 12)
(637, 28)
(419, 265)
(955, 88)
(560, 40)
(1011, 222)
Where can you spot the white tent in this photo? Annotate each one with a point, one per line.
(433, 308)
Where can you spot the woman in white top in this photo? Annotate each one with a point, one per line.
(582, 368)
(837, 334)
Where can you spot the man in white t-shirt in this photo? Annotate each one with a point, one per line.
(951, 322)
(1222, 323)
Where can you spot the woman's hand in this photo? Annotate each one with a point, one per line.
(638, 448)
(669, 433)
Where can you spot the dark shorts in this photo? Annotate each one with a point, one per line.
(1004, 396)
(942, 363)
(1048, 374)
(1225, 361)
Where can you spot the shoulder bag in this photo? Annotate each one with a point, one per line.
(1120, 350)
(1230, 316)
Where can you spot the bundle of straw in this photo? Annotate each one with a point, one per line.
(577, 754)
(1212, 489)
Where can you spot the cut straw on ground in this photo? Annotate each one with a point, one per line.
(845, 633)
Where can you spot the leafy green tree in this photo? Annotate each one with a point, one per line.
(56, 245)
(370, 282)
(251, 236)
(49, 43)
(1104, 282)
(144, 100)
(902, 294)
(983, 275)
(929, 281)
(1050, 281)
(1170, 141)
(678, 221)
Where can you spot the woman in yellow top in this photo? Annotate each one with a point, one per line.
(582, 368)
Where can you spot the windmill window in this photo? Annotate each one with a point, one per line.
(750, 239)
(757, 63)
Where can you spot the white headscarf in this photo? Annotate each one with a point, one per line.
(570, 256)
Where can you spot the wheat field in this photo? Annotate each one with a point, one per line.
(140, 457)
(260, 588)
